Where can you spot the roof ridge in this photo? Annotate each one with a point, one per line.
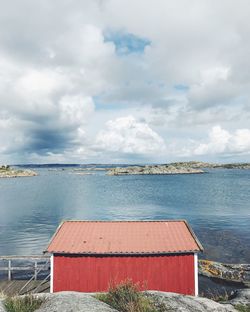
(121, 221)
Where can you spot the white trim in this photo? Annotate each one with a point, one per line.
(51, 273)
(196, 286)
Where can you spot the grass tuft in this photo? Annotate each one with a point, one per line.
(243, 308)
(27, 303)
(126, 297)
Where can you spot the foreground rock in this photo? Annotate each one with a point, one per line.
(176, 302)
(8, 172)
(85, 302)
(1, 306)
(154, 169)
(241, 297)
(72, 302)
(237, 273)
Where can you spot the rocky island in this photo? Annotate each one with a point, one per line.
(189, 167)
(201, 164)
(154, 169)
(8, 172)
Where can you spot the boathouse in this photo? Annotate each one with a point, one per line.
(87, 256)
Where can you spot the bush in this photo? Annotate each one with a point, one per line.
(243, 308)
(22, 304)
(126, 297)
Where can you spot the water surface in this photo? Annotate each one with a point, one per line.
(216, 204)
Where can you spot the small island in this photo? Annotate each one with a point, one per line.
(203, 165)
(154, 169)
(8, 172)
(189, 167)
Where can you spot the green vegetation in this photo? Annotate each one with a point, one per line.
(27, 303)
(4, 168)
(243, 308)
(126, 297)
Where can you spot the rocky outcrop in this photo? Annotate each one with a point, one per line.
(73, 301)
(153, 169)
(194, 164)
(177, 302)
(1, 306)
(85, 302)
(240, 297)
(237, 273)
(8, 172)
(201, 164)
(175, 168)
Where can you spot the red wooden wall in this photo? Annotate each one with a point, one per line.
(174, 273)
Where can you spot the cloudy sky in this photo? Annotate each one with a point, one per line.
(112, 81)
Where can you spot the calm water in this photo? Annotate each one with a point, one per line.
(216, 204)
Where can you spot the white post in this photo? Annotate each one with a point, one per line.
(35, 271)
(51, 273)
(196, 286)
(9, 270)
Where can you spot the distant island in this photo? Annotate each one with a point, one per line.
(154, 169)
(190, 167)
(201, 164)
(8, 172)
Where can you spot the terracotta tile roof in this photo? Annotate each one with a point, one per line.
(124, 237)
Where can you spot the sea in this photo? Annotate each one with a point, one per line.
(216, 204)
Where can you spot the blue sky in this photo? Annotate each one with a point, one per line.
(126, 43)
(124, 81)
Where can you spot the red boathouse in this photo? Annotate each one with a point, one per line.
(87, 256)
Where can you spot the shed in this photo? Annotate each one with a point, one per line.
(87, 256)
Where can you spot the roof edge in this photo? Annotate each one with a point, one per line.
(124, 254)
(53, 236)
(121, 221)
(194, 236)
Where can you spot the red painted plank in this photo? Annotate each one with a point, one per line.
(174, 273)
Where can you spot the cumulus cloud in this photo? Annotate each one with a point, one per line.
(69, 67)
(222, 141)
(128, 135)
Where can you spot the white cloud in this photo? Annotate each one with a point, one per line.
(222, 141)
(53, 73)
(75, 109)
(128, 135)
(214, 75)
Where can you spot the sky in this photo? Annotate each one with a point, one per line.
(124, 81)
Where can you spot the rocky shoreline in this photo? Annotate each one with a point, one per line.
(206, 165)
(153, 169)
(74, 301)
(8, 172)
(236, 273)
(190, 167)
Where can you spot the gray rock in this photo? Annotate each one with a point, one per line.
(2, 309)
(238, 273)
(181, 303)
(72, 302)
(242, 297)
(7, 172)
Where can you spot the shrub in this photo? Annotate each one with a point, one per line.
(243, 308)
(27, 303)
(126, 297)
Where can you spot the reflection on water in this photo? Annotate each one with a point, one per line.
(216, 204)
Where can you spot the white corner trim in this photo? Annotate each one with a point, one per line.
(51, 273)
(196, 286)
